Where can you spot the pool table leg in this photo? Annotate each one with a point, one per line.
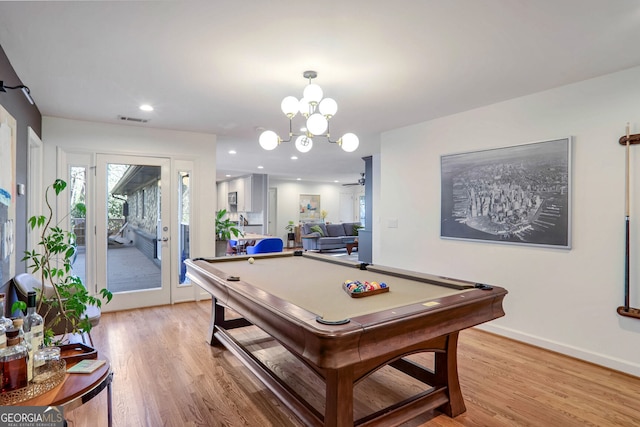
(218, 320)
(446, 373)
(212, 323)
(339, 397)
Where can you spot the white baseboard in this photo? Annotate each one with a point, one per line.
(579, 353)
(200, 296)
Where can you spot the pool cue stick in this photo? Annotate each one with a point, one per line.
(627, 223)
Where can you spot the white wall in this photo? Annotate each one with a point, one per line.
(89, 137)
(288, 196)
(563, 300)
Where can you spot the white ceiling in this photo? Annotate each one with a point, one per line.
(223, 67)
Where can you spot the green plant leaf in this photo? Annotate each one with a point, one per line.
(59, 185)
(106, 294)
(19, 305)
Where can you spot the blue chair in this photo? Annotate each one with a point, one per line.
(232, 247)
(272, 244)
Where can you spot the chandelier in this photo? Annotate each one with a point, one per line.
(317, 112)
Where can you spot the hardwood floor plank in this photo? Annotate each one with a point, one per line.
(167, 375)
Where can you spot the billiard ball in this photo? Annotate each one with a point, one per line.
(251, 260)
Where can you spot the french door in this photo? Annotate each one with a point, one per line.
(133, 230)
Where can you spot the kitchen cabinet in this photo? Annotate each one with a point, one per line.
(245, 199)
(254, 192)
(254, 228)
(223, 191)
(251, 193)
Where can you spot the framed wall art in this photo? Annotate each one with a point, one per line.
(309, 207)
(8, 132)
(518, 195)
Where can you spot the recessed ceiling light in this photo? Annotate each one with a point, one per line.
(298, 179)
(260, 167)
(232, 151)
(146, 107)
(227, 175)
(294, 157)
(336, 181)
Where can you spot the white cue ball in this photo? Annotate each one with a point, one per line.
(251, 260)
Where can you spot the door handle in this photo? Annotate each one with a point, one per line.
(164, 239)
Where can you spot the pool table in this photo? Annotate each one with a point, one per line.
(298, 299)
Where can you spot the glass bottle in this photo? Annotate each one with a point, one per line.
(25, 339)
(7, 323)
(33, 322)
(14, 362)
(3, 339)
(3, 347)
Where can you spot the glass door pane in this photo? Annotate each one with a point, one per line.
(134, 258)
(78, 218)
(136, 231)
(184, 217)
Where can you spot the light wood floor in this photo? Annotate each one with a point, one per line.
(167, 375)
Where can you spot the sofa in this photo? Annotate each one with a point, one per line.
(318, 236)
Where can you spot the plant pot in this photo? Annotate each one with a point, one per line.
(221, 248)
(291, 236)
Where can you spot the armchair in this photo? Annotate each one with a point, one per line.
(273, 244)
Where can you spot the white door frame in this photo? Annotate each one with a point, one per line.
(185, 291)
(35, 186)
(273, 212)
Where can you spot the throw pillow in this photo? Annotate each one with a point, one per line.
(317, 229)
(335, 230)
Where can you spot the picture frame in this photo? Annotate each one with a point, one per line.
(8, 132)
(519, 194)
(233, 198)
(309, 207)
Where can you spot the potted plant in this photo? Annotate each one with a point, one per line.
(291, 235)
(290, 227)
(356, 228)
(225, 228)
(52, 259)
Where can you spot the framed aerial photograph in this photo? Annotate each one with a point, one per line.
(516, 195)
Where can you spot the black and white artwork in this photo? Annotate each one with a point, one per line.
(518, 195)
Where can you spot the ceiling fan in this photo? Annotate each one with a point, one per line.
(360, 181)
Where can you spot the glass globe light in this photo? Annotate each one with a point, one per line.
(313, 93)
(349, 142)
(328, 107)
(269, 140)
(304, 107)
(317, 124)
(303, 143)
(289, 106)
